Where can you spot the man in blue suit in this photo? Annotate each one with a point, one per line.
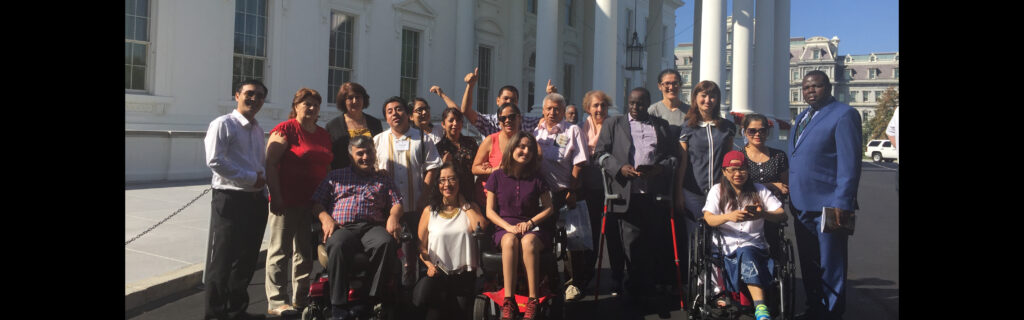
(824, 171)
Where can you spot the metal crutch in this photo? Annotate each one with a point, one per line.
(608, 197)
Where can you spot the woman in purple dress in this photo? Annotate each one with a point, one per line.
(523, 227)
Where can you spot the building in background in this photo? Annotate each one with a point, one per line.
(183, 58)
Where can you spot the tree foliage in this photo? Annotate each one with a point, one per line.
(875, 127)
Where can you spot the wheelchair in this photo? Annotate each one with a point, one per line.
(707, 272)
(487, 304)
(373, 288)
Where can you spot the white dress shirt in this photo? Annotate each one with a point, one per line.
(236, 152)
(407, 158)
(563, 148)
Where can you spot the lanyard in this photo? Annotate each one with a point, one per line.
(408, 167)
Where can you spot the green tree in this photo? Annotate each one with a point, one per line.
(875, 127)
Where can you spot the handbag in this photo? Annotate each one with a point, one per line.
(577, 227)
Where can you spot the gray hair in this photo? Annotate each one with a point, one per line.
(360, 141)
(556, 98)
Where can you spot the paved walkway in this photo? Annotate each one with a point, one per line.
(175, 251)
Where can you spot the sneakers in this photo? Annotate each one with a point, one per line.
(508, 308)
(761, 313)
(284, 311)
(531, 309)
(572, 293)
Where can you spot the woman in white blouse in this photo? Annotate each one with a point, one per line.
(448, 250)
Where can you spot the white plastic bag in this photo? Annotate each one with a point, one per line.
(577, 227)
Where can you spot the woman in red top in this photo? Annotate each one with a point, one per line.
(298, 157)
(488, 156)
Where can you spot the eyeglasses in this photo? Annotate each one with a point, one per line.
(451, 181)
(508, 117)
(422, 110)
(734, 170)
(671, 83)
(754, 131)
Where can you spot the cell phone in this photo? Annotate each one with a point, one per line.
(645, 168)
(751, 209)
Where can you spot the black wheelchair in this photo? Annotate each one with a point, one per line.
(706, 276)
(373, 288)
(487, 304)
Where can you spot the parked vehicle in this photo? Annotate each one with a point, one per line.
(880, 150)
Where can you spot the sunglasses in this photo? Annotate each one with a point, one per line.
(752, 131)
(508, 117)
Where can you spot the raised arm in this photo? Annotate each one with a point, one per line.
(467, 97)
(447, 101)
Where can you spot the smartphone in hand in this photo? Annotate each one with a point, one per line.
(751, 209)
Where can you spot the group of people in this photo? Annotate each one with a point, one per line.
(365, 185)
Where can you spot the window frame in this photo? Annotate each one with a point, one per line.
(484, 77)
(332, 88)
(131, 44)
(408, 92)
(254, 58)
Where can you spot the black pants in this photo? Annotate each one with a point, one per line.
(584, 273)
(647, 244)
(236, 231)
(351, 238)
(411, 250)
(446, 297)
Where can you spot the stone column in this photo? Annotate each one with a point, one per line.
(515, 61)
(742, 42)
(656, 41)
(465, 38)
(782, 60)
(712, 42)
(764, 66)
(547, 52)
(606, 34)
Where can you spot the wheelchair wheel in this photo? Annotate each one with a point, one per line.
(787, 283)
(480, 304)
(698, 291)
(314, 311)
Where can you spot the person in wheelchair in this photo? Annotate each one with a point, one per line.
(448, 249)
(738, 207)
(523, 226)
(359, 209)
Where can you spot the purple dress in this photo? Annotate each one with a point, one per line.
(518, 201)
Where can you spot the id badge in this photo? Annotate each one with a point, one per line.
(402, 145)
(562, 140)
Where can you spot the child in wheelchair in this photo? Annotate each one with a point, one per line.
(739, 207)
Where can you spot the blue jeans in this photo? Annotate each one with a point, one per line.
(749, 264)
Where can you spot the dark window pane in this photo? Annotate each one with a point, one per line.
(129, 6)
(345, 76)
(239, 43)
(260, 46)
(239, 5)
(332, 41)
(331, 58)
(250, 24)
(128, 27)
(141, 29)
(236, 66)
(250, 6)
(127, 53)
(261, 27)
(139, 54)
(142, 9)
(138, 78)
(250, 45)
(246, 68)
(347, 59)
(127, 77)
(258, 68)
(239, 22)
(261, 7)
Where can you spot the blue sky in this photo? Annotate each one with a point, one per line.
(862, 26)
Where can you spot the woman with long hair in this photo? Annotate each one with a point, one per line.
(738, 207)
(448, 249)
(488, 155)
(298, 158)
(522, 229)
(457, 148)
(350, 100)
(704, 138)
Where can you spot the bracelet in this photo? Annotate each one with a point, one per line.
(532, 225)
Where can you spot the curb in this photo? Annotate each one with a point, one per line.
(140, 293)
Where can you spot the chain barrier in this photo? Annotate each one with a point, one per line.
(168, 217)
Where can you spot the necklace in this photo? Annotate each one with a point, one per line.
(449, 212)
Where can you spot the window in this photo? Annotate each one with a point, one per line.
(686, 79)
(896, 73)
(878, 96)
(796, 75)
(728, 58)
(817, 54)
(410, 64)
(795, 96)
(873, 73)
(853, 96)
(849, 74)
(250, 54)
(531, 6)
(873, 143)
(570, 17)
(864, 115)
(887, 144)
(136, 43)
(567, 82)
(483, 81)
(529, 95)
(864, 96)
(687, 61)
(533, 60)
(339, 68)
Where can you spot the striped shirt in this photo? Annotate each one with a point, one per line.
(351, 196)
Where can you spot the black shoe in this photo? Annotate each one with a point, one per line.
(250, 316)
(339, 313)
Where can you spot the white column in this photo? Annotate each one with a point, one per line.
(742, 42)
(514, 71)
(465, 38)
(695, 75)
(782, 60)
(764, 68)
(656, 41)
(547, 51)
(712, 42)
(606, 34)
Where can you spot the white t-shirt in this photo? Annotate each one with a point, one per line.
(893, 130)
(747, 233)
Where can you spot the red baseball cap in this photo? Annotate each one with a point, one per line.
(733, 159)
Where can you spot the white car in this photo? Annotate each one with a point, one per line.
(880, 150)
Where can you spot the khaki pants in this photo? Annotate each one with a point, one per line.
(290, 236)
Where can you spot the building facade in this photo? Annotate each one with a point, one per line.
(183, 58)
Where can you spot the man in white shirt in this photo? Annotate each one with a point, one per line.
(235, 152)
(411, 159)
(421, 119)
(893, 131)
